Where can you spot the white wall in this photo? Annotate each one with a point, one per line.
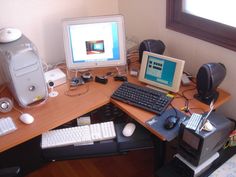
(146, 19)
(40, 20)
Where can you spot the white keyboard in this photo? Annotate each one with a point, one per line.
(78, 135)
(194, 121)
(7, 126)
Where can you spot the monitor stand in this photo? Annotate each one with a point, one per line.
(122, 70)
(158, 89)
(53, 93)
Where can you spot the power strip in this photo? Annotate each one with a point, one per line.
(185, 80)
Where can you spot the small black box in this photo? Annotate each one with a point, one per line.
(101, 79)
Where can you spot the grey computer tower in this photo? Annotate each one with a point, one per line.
(23, 72)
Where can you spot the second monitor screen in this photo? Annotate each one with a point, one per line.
(161, 71)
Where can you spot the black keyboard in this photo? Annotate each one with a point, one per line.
(142, 97)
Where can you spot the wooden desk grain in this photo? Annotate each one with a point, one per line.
(61, 109)
(55, 112)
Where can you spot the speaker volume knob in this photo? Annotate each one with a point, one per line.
(4, 105)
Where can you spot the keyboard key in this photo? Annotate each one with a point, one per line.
(194, 121)
(7, 126)
(96, 132)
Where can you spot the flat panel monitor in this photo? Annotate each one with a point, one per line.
(94, 42)
(161, 71)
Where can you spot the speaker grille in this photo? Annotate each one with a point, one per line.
(203, 81)
(151, 45)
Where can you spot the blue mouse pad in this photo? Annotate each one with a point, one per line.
(157, 124)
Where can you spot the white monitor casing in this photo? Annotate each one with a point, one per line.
(67, 23)
(177, 73)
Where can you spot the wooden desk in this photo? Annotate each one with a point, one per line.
(61, 109)
(142, 116)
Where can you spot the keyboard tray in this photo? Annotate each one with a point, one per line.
(141, 139)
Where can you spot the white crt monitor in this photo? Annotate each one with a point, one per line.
(94, 42)
(161, 71)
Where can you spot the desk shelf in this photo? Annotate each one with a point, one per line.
(141, 139)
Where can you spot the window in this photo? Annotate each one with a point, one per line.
(193, 19)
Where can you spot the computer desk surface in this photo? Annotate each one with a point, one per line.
(142, 116)
(61, 109)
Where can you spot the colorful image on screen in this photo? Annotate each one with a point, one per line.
(160, 71)
(95, 47)
(94, 42)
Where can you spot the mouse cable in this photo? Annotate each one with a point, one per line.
(187, 90)
(186, 108)
(182, 94)
(186, 103)
(187, 100)
(195, 109)
(70, 90)
(17, 109)
(176, 114)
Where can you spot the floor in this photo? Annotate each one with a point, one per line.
(139, 163)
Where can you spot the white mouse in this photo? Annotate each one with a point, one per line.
(9, 35)
(26, 118)
(129, 129)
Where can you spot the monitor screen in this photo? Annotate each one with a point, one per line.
(94, 42)
(161, 71)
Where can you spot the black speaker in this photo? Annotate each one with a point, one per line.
(151, 45)
(209, 77)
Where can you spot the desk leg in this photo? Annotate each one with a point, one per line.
(159, 153)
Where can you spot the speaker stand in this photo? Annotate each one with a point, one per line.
(53, 93)
(207, 99)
